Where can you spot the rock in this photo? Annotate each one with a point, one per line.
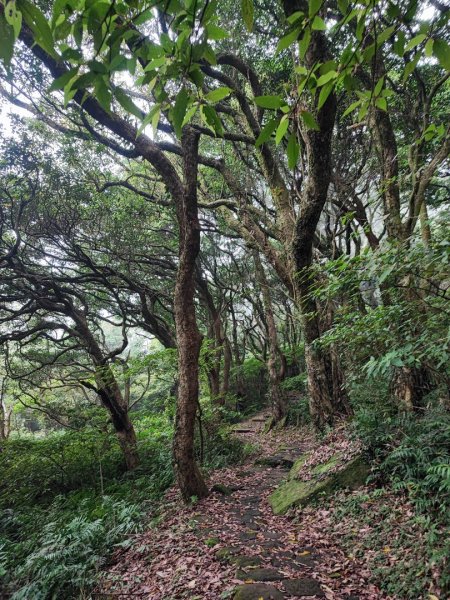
(303, 587)
(220, 488)
(272, 535)
(246, 536)
(275, 461)
(243, 562)
(264, 574)
(299, 493)
(226, 553)
(297, 466)
(324, 468)
(257, 591)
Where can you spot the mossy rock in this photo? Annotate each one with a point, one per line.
(257, 591)
(220, 488)
(299, 493)
(227, 553)
(323, 468)
(275, 461)
(244, 562)
(260, 574)
(212, 541)
(298, 465)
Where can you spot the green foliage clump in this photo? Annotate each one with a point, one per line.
(394, 308)
(412, 458)
(61, 558)
(67, 502)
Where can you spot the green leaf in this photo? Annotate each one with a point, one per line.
(149, 119)
(214, 32)
(318, 24)
(441, 51)
(13, 17)
(309, 120)
(304, 43)
(324, 93)
(218, 94)
(323, 79)
(343, 6)
(209, 55)
(385, 35)
(211, 118)
(351, 108)
(189, 114)
(381, 103)
(288, 39)
(314, 7)
(248, 12)
(418, 39)
(38, 24)
(378, 87)
(267, 131)
(103, 94)
(84, 81)
(155, 120)
(297, 15)
(6, 40)
(179, 110)
(429, 48)
(293, 151)
(61, 82)
(269, 101)
(282, 129)
(410, 67)
(127, 103)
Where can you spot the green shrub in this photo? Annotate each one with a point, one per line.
(66, 502)
(62, 558)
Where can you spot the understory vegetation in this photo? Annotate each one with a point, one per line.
(208, 211)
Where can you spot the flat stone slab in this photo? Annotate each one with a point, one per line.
(264, 574)
(257, 591)
(243, 562)
(275, 461)
(227, 552)
(303, 587)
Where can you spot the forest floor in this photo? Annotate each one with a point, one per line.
(234, 542)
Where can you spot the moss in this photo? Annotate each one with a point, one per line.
(299, 493)
(298, 464)
(327, 466)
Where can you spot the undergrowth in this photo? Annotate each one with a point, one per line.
(66, 503)
(400, 527)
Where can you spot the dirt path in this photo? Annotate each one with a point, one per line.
(230, 545)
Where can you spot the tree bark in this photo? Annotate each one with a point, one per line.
(5, 414)
(189, 477)
(109, 392)
(276, 373)
(313, 198)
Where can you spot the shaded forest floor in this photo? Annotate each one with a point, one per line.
(209, 549)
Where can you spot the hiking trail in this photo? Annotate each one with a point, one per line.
(231, 545)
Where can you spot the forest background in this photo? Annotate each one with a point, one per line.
(207, 208)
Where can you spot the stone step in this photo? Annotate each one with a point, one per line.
(257, 591)
(276, 461)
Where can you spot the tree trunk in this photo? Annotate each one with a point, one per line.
(5, 413)
(276, 375)
(112, 399)
(189, 477)
(109, 392)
